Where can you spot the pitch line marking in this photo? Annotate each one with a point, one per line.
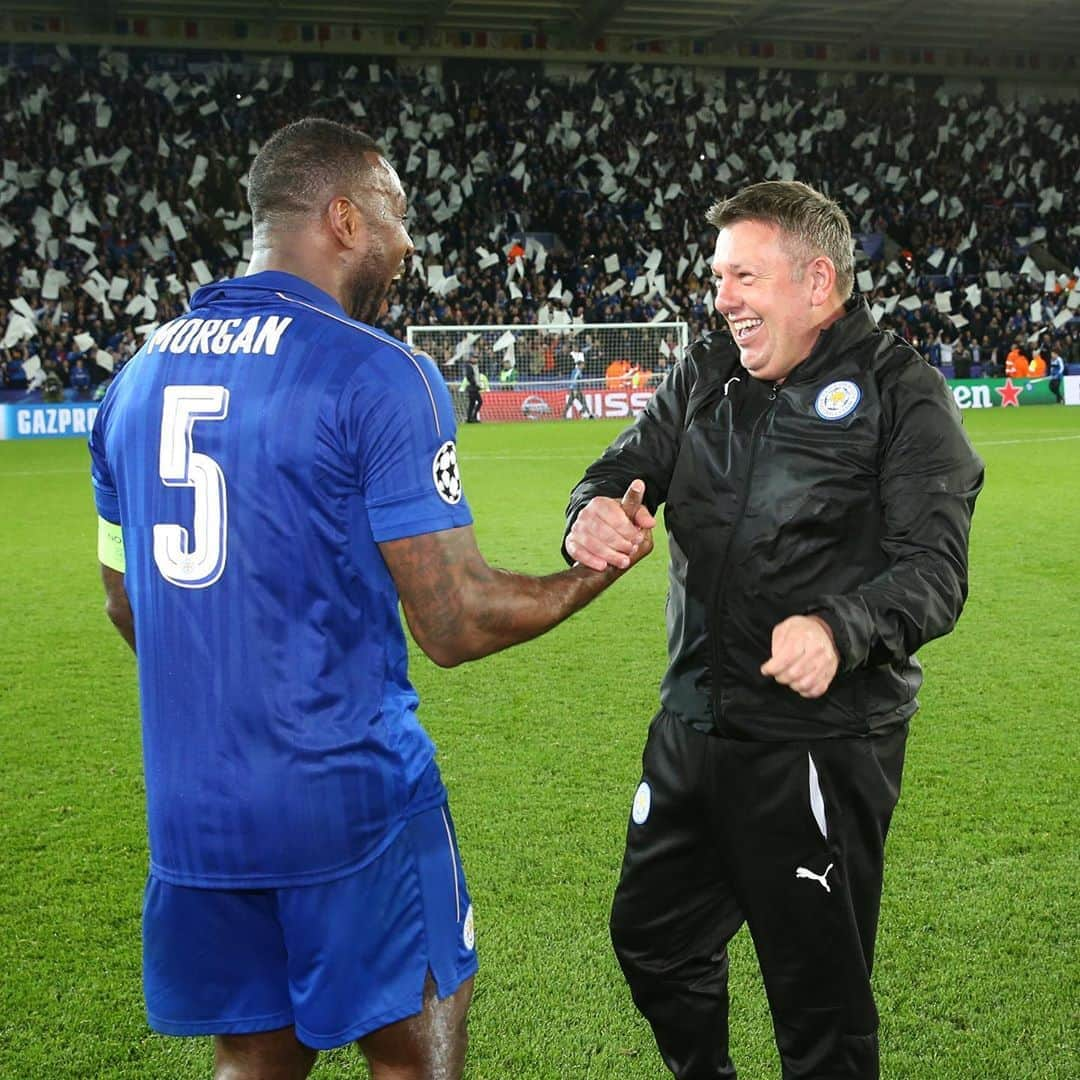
(493, 456)
(489, 455)
(4, 474)
(1020, 442)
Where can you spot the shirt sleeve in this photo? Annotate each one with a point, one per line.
(402, 433)
(105, 496)
(649, 448)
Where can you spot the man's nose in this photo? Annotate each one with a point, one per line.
(726, 296)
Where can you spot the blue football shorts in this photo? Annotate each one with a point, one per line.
(336, 960)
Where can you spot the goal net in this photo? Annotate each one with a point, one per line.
(554, 372)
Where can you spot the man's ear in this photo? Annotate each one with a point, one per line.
(345, 221)
(822, 279)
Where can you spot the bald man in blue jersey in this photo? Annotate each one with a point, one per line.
(271, 476)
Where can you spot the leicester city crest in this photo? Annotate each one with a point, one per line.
(837, 400)
(642, 803)
(468, 932)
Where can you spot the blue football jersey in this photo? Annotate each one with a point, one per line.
(255, 452)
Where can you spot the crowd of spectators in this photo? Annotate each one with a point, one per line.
(533, 200)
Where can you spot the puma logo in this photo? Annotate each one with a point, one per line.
(802, 872)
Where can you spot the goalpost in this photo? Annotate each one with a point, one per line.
(529, 369)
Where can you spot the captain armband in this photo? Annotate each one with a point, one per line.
(110, 545)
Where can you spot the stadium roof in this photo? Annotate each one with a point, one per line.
(1047, 25)
(966, 23)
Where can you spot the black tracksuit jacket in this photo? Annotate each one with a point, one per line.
(787, 499)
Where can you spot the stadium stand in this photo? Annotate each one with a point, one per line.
(533, 199)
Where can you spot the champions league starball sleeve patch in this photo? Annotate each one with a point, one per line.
(444, 470)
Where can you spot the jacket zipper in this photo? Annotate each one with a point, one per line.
(714, 636)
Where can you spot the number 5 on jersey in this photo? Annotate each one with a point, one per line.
(196, 560)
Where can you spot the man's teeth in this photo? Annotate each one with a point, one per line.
(743, 326)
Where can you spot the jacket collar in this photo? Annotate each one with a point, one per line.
(852, 329)
(267, 281)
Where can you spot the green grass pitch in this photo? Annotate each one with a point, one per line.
(977, 967)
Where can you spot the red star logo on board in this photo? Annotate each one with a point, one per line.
(1010, 395)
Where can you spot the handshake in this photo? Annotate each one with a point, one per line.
(610, 532)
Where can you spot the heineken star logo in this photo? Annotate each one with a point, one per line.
(1010, 395)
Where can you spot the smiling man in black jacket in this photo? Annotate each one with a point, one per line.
(818, 490)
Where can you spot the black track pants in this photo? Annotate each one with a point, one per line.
(786, 836)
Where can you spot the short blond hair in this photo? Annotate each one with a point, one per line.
(810, 223)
